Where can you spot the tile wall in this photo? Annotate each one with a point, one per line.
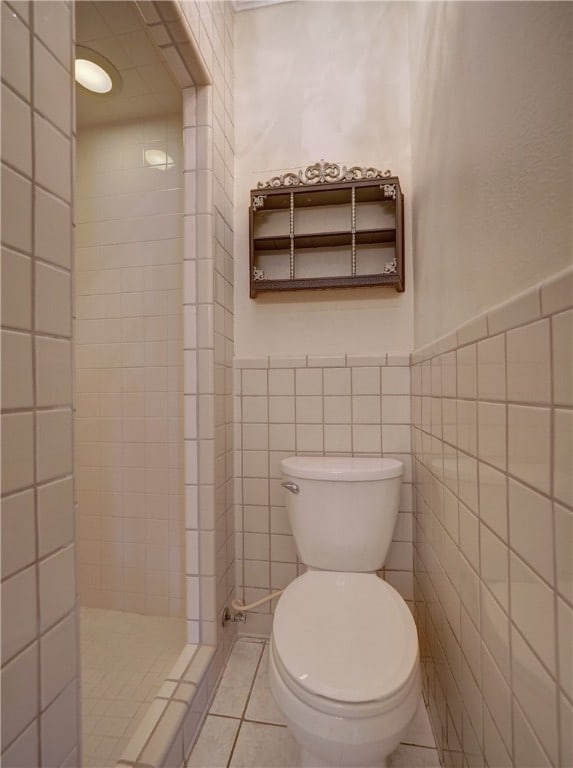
(39, 641)
(208, 326)
(335, 406)
(129, 367)
(492, 444)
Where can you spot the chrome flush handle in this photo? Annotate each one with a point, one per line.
(290, 486)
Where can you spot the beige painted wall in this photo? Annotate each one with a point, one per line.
(491, 154)
(311, 83)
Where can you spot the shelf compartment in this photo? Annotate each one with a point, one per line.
(275, 264)
(372, 258)
(325, 239)
(327, 262)
(272, 223)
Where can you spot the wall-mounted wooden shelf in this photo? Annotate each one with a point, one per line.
(326, 227)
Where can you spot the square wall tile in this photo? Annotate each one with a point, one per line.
(563, 456)
(51, 89)
(15, 52)
(491, 368)
(59, 660)
(20, 687)
(562, 328)
(52, 25)
(18, 532)
(16, 286)
(55, 516)
(492, 433)
(59, 725)
(308, 381)
(53, 159)
(53, 372)
(563, 549)
(528, 363)
(533, 610)
(16, 210)
(54, 438)
(17, 379)
(16, 132)
(17, 451)
(531, 528)
(467, 372)
(53, 301)
(528, 445)
(337, 381)
(19, 610)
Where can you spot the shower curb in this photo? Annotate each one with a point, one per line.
(166, 734)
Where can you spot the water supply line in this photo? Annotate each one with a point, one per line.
(239, 607)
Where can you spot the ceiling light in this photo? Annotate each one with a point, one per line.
(157, 158)
(95, 73)
(92, 76)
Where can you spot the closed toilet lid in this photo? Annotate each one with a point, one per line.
(345, 636)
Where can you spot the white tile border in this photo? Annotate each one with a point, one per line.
(194, 674)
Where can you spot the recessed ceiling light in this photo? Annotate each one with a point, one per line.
(92, 76)
(157, 158)
(95, 73)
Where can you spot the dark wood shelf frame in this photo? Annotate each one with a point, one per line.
(333, 195)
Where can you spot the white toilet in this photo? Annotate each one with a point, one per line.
(343, 662)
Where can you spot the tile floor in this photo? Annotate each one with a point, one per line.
(125, 658)
(244, 728)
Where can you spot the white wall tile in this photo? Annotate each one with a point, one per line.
(562, 330)
(17, 379)
(15, 52)
(16, 289)
(528, 363)
(16, 132)
(17, 451)
(20, 677)
(17, 210)
(57, 586)
(19, 606)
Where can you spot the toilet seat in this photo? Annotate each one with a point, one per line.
(345, 643)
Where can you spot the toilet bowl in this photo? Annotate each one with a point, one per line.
(343, 662)
(344, 667)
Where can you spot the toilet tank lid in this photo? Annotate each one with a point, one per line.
(339, 468)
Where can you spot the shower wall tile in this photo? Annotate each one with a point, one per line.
(492, 533)
(38, 569)
(129, 369)
(340, 406)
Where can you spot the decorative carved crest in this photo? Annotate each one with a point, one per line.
(390, 267)
(324, 173)
(389, 190)
(258, 202)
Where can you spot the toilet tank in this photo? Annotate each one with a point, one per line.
(342, 511)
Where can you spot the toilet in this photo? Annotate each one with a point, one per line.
(343, 661)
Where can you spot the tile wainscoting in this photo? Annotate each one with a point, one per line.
(492, 446)
(345, 405)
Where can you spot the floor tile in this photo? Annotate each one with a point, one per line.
(407, 756)
(215, 743)
(125, 658)
(264, 746)
(419, 731)
(262, 706)
(237, 679)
